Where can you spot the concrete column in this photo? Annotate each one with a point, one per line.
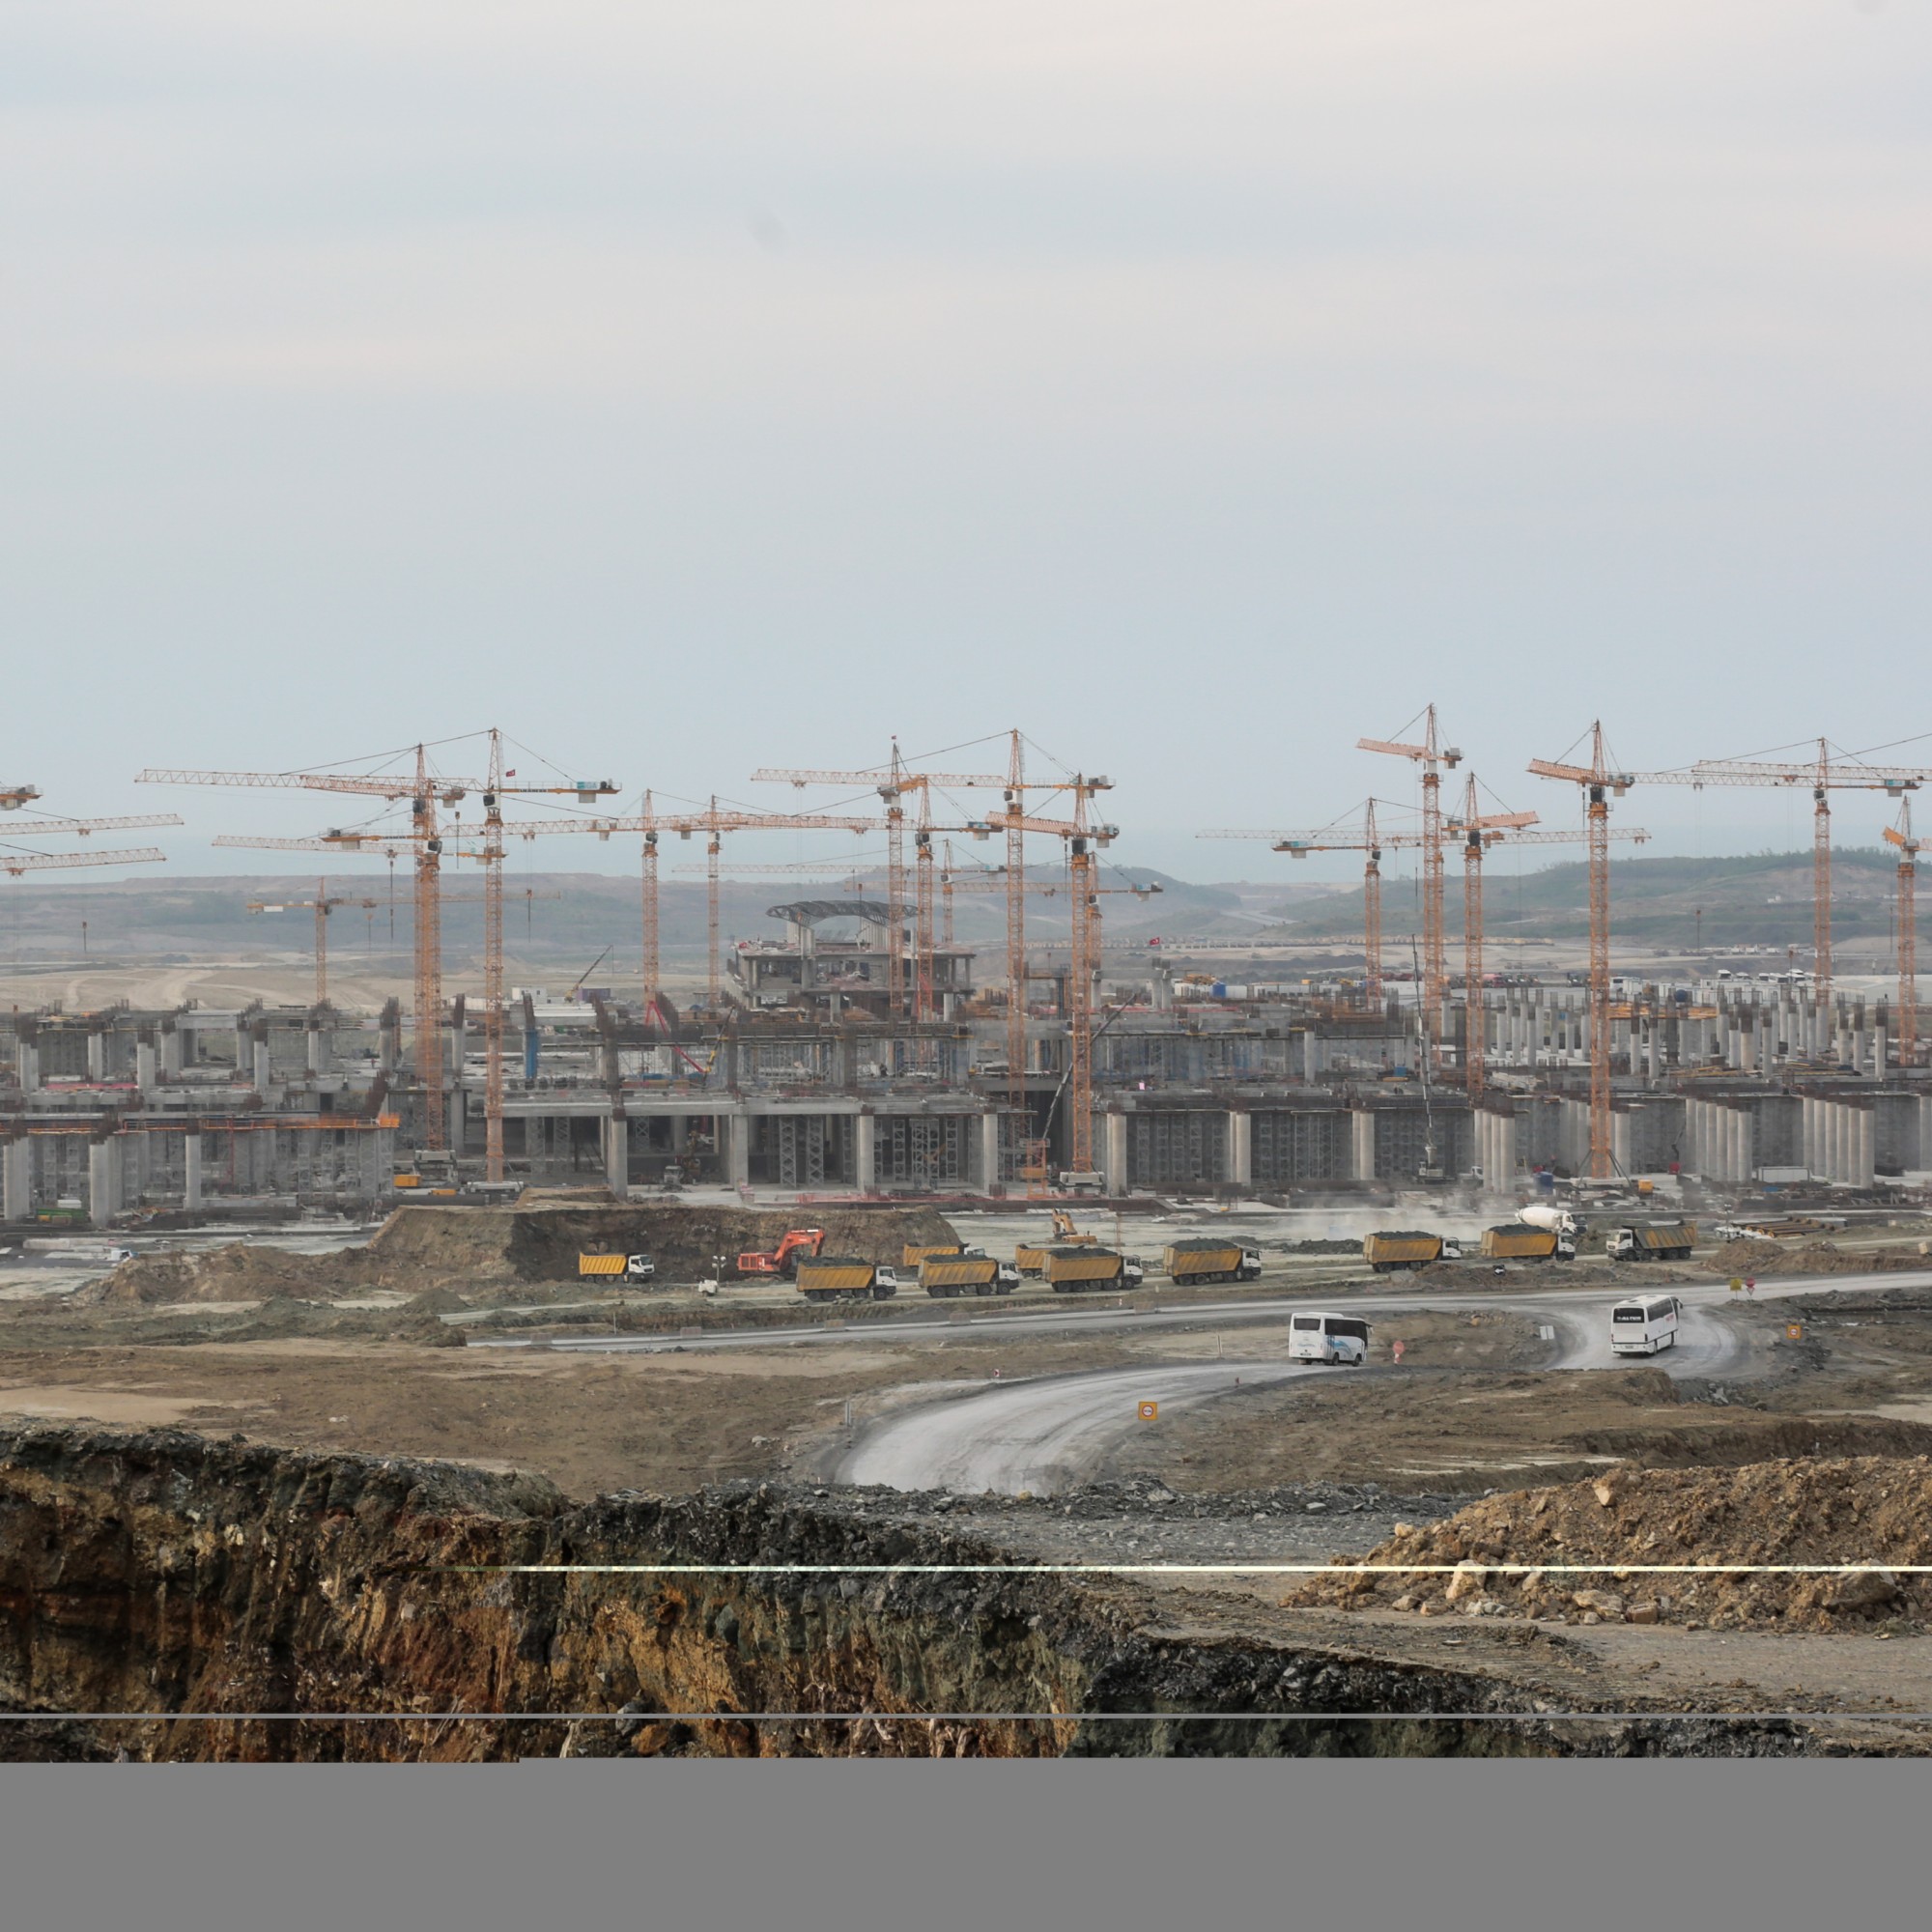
(27, 1065)
(318, 1051)
(864, 1154)
(96, 1055)
(1362, 1144)
(259, 1063)
(989, 1151)
(16, 1179)
(1864, 1170)
(191, 1169)
(103, 1181)
(738, 1149)
(1620, 1140)
(1113, 1153)
(146, 1065)
(1881, 1050)
(171, 1050)
(616, 1136)
(1240, 1150)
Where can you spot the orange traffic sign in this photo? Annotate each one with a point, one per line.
(1150, 1411)
(1794, 1331)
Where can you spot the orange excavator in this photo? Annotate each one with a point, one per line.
(800, 1244)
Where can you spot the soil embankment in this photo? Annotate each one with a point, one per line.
(376, 1608)
(1633, 1545)
(418, 1249)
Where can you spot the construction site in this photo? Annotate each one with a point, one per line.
(963, 1201)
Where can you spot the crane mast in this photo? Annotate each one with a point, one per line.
(1597, 781)
(1432, 757)
(1901, 837)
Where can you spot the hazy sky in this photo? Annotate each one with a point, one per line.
(1198, 385)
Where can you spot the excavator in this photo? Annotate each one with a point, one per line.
(1067, 1235)
(800, 1244)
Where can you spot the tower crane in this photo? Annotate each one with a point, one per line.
(15, 864)
(1598, 782)
(1477, 834)
(1901, 837)
(322, 905)
(1821, 775)
(1372, 842)
(893, 782)
(1082, 837)
(1432, 757)
(425, 789)
(713, 823)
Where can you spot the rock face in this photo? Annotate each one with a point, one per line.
(221, 1600)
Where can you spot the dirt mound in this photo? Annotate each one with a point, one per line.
(544, 1244)
(1657, 1531)
(1762, 1258)
(237, 1272)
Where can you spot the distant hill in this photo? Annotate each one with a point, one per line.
(1759, 899)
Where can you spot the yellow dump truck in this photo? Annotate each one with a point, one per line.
(1515, 1242)
(947, 1275)
(845, 1278)
(1400, 1248)
(622, 1267)
(1078, 1270)
(1658, 1242)
(915, 1252)
(1205, 1260)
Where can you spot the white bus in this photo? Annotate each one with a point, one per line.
(1643, 1327)
(1341, 1339)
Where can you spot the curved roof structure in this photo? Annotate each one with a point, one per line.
(812, 912)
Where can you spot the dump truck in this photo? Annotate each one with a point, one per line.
(798, 1244)
(1029, 1257)
(1657, 1241)
(1515, 1242)
(845, 1278)
(947, 1275)
(1077, 1270)
(1205, 1260)
(914, 1253)
(1406, 1248)
(626, 1267)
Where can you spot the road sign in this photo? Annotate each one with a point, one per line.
(1794, 1331)
(1150, 1411)
(1737, 1284)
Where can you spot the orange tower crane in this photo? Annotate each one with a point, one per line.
(1082, 837)
(1823, 776)
(1477, 836)
(1599, 783)
(893, 782)
(1431, 755)
(322, 905)
(1907, 1029)
(711, 822)
(1370, 841)
(425, 789)
(1475, 828)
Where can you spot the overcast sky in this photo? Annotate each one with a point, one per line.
(1198, 385)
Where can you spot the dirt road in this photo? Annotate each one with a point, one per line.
(1038, 1437)
(1046, 1435)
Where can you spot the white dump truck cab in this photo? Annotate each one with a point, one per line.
(1342, 1339)
(638, 1267)
(1251, 1264)
(1642, 1326)
(1132, 1274)
(1006, 1278)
